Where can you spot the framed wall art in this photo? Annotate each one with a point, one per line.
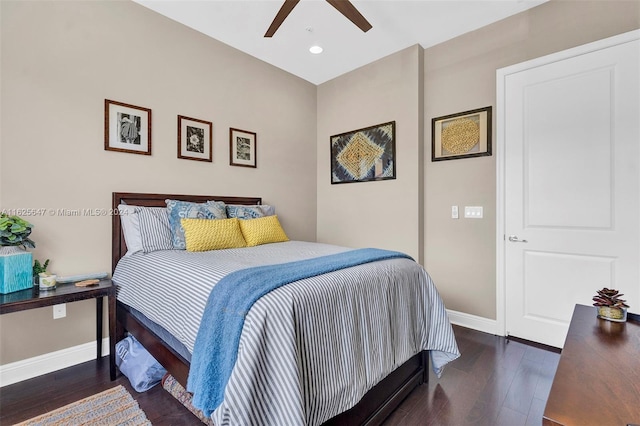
(127, 128)
(242, 148)
(462, 135)
(364, 155)
(194, 139)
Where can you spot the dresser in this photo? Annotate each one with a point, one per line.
(598, 377)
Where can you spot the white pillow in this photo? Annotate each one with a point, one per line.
(130, 228)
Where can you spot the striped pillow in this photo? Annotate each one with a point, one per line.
(155, 232)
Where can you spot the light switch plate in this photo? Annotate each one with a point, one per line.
(473, 212)
(454, 212)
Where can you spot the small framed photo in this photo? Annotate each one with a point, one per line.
(462, 135)
(194, 139)
(127, 128)
(242, 148)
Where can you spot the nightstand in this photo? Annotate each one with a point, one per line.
(64, 293)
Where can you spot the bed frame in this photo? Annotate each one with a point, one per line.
(373, 408)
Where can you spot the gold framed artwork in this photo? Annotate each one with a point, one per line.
(242, 148)
(463, 135)
(194, 139)
(127, 128)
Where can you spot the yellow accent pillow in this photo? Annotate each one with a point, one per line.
(262, 230)
(212, 234)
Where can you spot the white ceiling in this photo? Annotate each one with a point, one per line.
(397, 24)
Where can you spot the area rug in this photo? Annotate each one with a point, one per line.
(113, 407)
(175, 389)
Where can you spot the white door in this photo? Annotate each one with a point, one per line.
(571, 187)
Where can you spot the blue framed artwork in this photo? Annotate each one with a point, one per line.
(364, 155)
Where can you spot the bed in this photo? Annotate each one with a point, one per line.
(381, 397)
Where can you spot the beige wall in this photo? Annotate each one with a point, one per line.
(59, 61)
(386, 214)
(460, 75)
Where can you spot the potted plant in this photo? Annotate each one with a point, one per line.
(15, 261)
(15, 231)
(46, 280)
(610, 306)
(38, 269)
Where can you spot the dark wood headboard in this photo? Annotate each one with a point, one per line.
(118, 245)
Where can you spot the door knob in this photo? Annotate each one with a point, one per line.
(515, 239)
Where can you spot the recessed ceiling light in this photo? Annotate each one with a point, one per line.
(315, 49)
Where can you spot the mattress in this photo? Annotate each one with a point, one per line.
(161, 333)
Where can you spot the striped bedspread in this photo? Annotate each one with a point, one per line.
(308, 350)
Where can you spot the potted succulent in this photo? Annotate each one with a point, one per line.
(46, 281)
(39, 268)
(14, 259)
(610, 306)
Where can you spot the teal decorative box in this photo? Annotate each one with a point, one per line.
(16, 270)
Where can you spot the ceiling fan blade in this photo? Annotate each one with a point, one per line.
(284, 11)
(349, 10)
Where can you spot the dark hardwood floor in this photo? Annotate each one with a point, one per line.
(494, 382)
(30, 398)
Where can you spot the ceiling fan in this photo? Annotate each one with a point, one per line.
(343, 6)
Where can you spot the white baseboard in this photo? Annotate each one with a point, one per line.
(47, 363)
(474, 322)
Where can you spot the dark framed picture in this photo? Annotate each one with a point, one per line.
(463, 135)
(127, 128)
(194, 139)
(242, 148)
(364, 155)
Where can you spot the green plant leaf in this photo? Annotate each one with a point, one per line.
(14, 231)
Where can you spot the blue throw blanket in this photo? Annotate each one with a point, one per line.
(216, 346)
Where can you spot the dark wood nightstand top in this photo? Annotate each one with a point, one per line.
(64, 293)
